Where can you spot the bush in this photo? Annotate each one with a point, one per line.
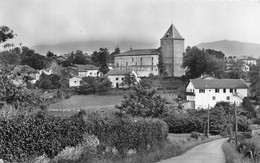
(144, 102)
(183, 123)
(123, 132)
(195, 135)
(247, 135)
(34, 135)
(90, 85)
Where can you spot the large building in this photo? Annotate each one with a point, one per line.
(207, 92)
(145, 61)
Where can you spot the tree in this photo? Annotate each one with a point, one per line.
(90, 85)
(100, 59)
(50, 54)
(35, 60)
(249, 109)
(198, 62)
(161, 65)
(80, 58)
(235, 70)
(112, 55)
(5, 34)
(217, 54)
(48, 81)
(130, 80)
(143, 102)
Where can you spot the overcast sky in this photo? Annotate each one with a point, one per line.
(55, 21)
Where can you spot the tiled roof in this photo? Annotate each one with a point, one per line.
(173, 33)
(218, 83)
(119, 72)
(134, 52)
(86, 67)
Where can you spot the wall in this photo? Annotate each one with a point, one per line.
(88, 73)
(116, 79)
(202, 100)
(142, 64)
(74, 82)
(172, 52)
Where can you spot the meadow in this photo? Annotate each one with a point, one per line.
(88, 102)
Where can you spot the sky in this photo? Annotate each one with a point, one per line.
(56, 21)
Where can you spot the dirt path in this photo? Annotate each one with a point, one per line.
(206, 153)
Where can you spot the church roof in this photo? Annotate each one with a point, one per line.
(218, 83)
(134, 52)
(173, 33)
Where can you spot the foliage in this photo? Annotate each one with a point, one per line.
(195, 135)
(161, 66)
(35, 60)
(235, 71)
(51, 81)
(112, 55)
(249, 109)
(50, 54)
(217, 54)
(144, 102)
(100, 58)
(9, 57)
(198, 62)
(124, 133)
(146, 83)
(90, 85)
(34, 135)
(130, 80)
(183, 123)
(5, 34)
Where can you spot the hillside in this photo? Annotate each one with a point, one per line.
(90, 46)
(234, 48)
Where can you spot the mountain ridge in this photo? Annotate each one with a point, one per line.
(233, 47)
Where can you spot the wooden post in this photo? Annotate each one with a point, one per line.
(208, 123)
(235, 123)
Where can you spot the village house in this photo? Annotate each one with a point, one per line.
(207, 92)
(117, 77)
(74, 82)
(86, 70)
(145, 61)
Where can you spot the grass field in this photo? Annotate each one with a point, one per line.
(88, 102)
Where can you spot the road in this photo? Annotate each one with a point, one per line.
(205, 153)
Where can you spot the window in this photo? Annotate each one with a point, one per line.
(217, 90)
(152, 68)
(213, 98)
(224, 90)
(201, 90)
(231, 90)
(90, 73)
(116, 78)
(141, 60)
(75, 81)
(228, 97)
(117, 64)
(122, 78)
(132, 59)
(126, 63)
(152, 58)
(235, 90)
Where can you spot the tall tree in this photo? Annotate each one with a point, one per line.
(112, 55)
(50, 54)
(100, 59)
(217, 54)
(5, 34)
(198, 62)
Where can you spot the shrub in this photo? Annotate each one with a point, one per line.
(144, 102)
(122, 132)
(183, 123)
(247, 135)
(34, 135)
(195, 135)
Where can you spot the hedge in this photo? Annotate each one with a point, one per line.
(124, 133)
(34, 135)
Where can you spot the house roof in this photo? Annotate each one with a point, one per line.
(119, 72)
(23, 68)
(86, 67)
(134, 52)
(218, 83)
(173, 33)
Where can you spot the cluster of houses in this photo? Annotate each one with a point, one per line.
(203, 92)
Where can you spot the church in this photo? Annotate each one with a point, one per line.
(164, 61)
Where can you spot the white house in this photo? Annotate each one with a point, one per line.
(74, 82)
(207, 92)
(117, 77)
(87, 70)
